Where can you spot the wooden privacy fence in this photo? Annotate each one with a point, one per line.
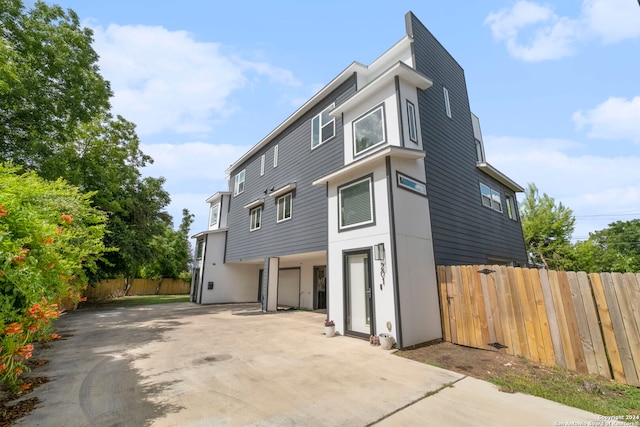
(108, 288)
(589, 323)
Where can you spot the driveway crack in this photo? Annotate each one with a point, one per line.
(430, 393)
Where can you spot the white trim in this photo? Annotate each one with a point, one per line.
(262, 161)
(255, 203)
(251, 217)
(217, 205)
(286, 189)
(499, 176)
(217, 195)
(365, 162)
(236, 182)
(275, 156)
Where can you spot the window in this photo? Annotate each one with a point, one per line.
(284, 207)
(323, 127)
(447, 105)
(239, 183)
(411, 184)
(490, 198)
(368, 130)
(511, 207)
(411, 116)
(479, 151)
(213, 215)
(356, 203)
(262, 165)
(275, 156)
(199, 248)
(256, 218)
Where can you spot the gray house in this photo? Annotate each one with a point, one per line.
(352, 202)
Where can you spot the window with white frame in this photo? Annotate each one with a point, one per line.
(275, 156)
(447, 105)
(284, 207)
(256, 218)
(490, 198)
(511, 207)
(323, 127)
(355, 202)
(199, 248)
(369, 130)
(262, 160)
(479, 151)
(411, 116)
(213, 215)
(238, 187)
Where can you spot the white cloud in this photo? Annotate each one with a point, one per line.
(616, 118)
(533, 32)
(612, 20)
(168, 81)
(588, 184)
(554, 37)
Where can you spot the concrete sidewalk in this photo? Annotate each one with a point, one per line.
(231, 365)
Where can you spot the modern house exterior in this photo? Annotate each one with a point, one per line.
(352, 202)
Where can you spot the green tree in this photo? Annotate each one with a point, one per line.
(49, 80)
(616, 248)
(547, 229)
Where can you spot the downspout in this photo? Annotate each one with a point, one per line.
(394, 254)
(400, 120)
(204, 263)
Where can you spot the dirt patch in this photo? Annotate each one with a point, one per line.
(15, 404)
(482, 364)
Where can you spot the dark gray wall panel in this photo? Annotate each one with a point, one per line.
(306, 231)
(464, 231)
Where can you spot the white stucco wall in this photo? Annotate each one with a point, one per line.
(306, 265)
(232, 282)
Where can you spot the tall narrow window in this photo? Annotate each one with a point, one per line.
(275, 156)
(262, 159)
(411, 116)
(369, 130)
(479, 151)
(213, 215)
(199, 248)
(256, 218)
(485, 192)
(238, 187)
(496, 202)
(511, 207)
(323, 127)
(284, 207)
(447, 105)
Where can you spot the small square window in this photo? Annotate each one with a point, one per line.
(411, 116)
(447, 105)
(369, 130)
(284, 207)
(238, 187)
(323, 127)
(356, 204)
(256, 218)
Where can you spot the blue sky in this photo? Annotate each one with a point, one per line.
(556, 84)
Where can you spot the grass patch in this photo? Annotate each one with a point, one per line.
(130, 301)
(593, 394)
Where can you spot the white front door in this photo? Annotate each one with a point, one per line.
(358, 293)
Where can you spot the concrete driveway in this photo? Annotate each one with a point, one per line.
(230, 365)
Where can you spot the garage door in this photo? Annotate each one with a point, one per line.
(289, 287)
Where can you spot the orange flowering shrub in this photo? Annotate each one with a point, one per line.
(49, 236)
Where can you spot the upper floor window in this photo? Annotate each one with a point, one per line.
(238, 187)
(411, 116)
(511, 207)
(356, 203)
(199, 248)
(490, 198)
(275, 156)
(213, 215)
(323, 127)
(256, 218)
(479, 151)
(262, 159)
(447, 105)
(284, 207)
(369, 130)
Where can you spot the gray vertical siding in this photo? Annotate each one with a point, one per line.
(464, 231)
(306, 231)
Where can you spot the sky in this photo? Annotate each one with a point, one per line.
(556, 84)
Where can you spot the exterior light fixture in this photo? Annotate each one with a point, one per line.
(378, 252)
